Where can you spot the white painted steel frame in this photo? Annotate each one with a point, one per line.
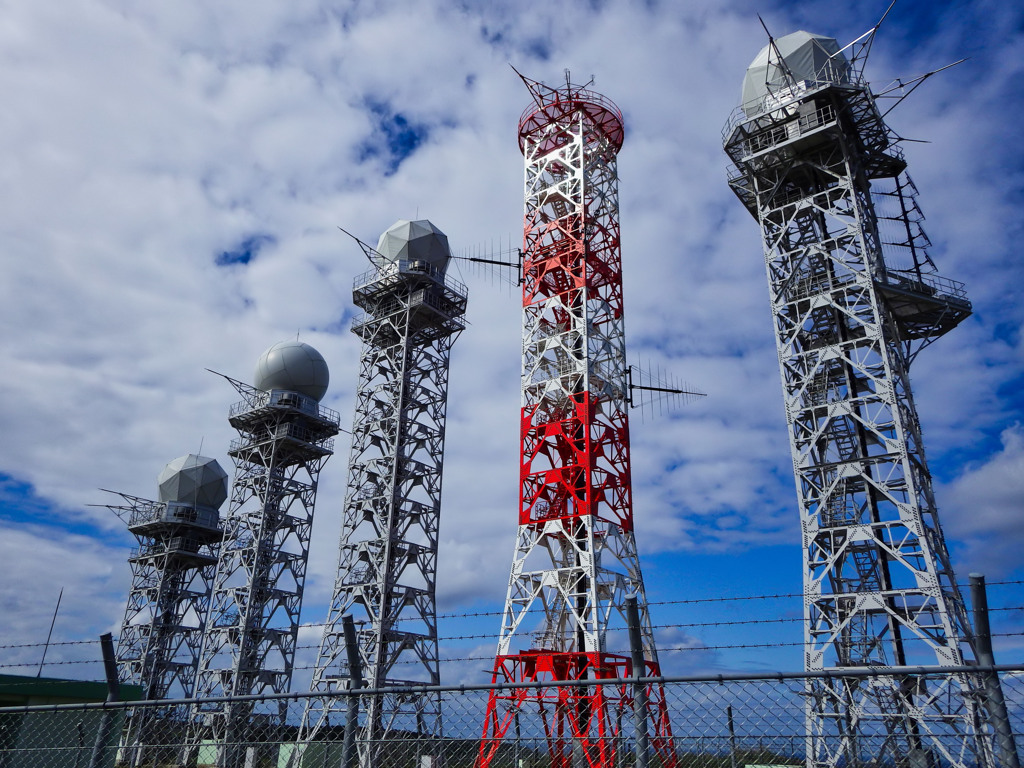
(249, 644)
(391, 518)
(879, 587)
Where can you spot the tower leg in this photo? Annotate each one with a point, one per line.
(582, 725)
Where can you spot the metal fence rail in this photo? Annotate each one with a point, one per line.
(727, 721)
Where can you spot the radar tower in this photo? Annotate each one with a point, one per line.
(172, 576)
(575, 560)
(855, 297)
(284, 438)
(413, 312)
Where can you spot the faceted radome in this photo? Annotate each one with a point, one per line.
(193, 479)
(415, 241)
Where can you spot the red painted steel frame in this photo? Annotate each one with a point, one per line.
(575, 455)
(589, 717)
(574, 463)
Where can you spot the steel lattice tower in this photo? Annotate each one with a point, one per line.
(413, 312)
(855, 297)
(575, 560)
(172, 577)
(284, 438)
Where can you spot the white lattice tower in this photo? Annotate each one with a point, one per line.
(853, 303)
(413, 312)
(284, 438)
(575, 559)
(172, 576)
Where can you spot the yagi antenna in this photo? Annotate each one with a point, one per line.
(657, 390)
(783, 67)
(910, 86)
(123, 512)
(376, 258)
(506, 259)
(861, 54)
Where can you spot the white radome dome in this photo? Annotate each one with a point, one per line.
(293, 366)
(810, 58)
(415, 241)
(193, 479)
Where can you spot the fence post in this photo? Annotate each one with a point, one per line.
(519, 736)
(113, 694)
(994, 701)
(639, 690)
(732, 737)
(355, 676)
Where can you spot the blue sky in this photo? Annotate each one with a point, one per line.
(174, 178)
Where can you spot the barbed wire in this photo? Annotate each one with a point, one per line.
(787, 620)
(996, 583)
(794, 644)
(489, 658)
(683, 601)
(492, 635)
(52, 663)
(51, 644)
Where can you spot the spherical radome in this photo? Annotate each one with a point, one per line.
(415, 241)
(810, 58)
(192, 479)
(294, 366)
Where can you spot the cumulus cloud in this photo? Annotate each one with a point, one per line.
(983, 508)
(175, 176)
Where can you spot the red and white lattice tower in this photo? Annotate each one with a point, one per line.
(575, 560)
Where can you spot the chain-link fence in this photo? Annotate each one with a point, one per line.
(918, 718)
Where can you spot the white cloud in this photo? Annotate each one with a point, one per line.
(983, 508)
(141, 141)
(90, 603)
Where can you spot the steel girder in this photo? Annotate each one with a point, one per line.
(583, 725)
(161, 635)
(249, 643)
(388, 550)
(172, 573)
(575, 560)
(879, 585)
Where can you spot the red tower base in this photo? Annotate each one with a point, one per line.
(586, 718)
